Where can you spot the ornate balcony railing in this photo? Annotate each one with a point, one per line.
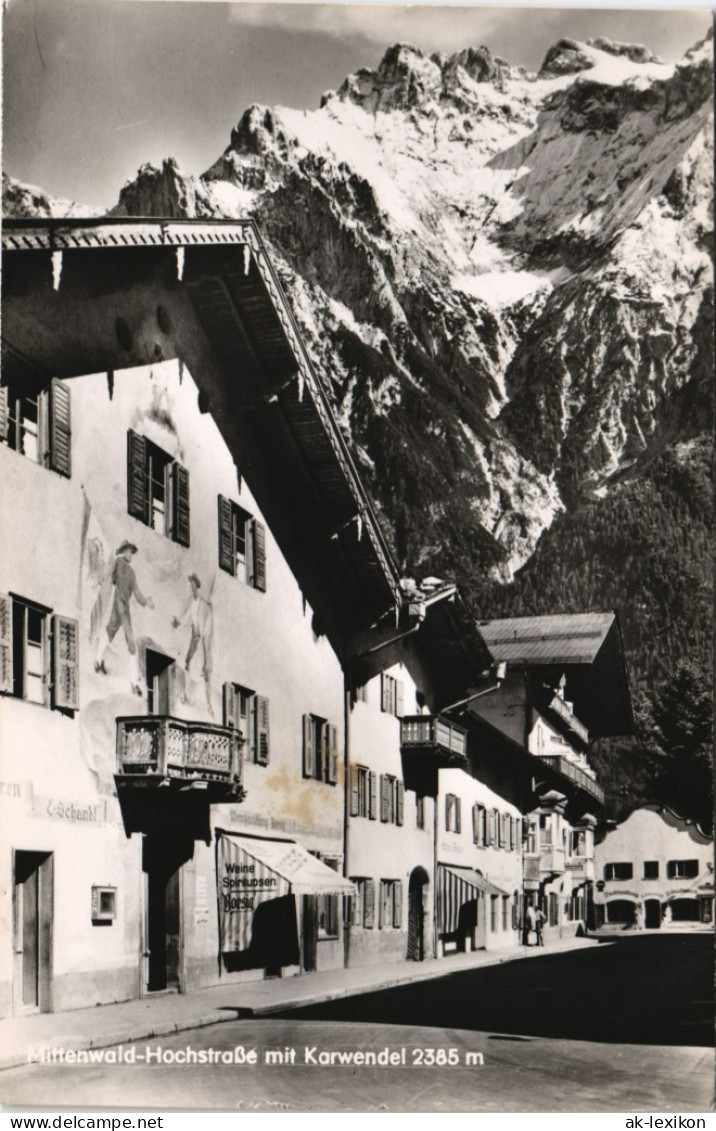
(177, 750)
(575, 774)
(434, 736)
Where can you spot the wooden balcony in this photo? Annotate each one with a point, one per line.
(567, 715)
(157, 751)
(433, 739)
(575, 774)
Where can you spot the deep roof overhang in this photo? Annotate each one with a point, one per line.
(585, 647)
(84, 296)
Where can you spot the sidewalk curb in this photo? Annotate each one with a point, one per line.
(147, 1030)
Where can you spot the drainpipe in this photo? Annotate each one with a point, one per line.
(346, 803)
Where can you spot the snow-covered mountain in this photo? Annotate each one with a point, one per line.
(505, 279)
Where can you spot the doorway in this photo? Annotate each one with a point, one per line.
(162, 861)
(310, 932)
(652, 914)
(416, 914)
(32, 927)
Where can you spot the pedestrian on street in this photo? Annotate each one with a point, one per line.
(539, 921)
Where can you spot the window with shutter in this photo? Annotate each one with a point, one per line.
(372, 796)
(60, 455)
(354, 800)
(400, 803)
(6, 649)
(332, 755)
(36, 422)
(262, 730)
(180, 517)
(399, 699)
(384, 803)
(137, 476)
(231, 706)
(65, 664)
(369, 903)
(242, 544)
(157, 489)
(309, 752)
(259, 555)
(398, 904)
(39, 654)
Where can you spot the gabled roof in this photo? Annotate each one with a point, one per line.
(564, 638)
(586, 647)
(231, 324)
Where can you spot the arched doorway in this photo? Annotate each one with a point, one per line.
(416, 914)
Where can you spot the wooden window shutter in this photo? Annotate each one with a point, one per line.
(6, 670)
(137, 497)
(231, 706)
(60, 428)
(400, 803)
(398, 904)
(372, 796)
(309, 761)
(4, 412)
(384, 786)
(332, 754)
(448, 807)
(258, 540)
(226, 547)
(476, 824)
(458, 822)
(181, 523)
(65, 664)
(399, 698)
(262, 730)
(369, 904)
(381, 904)
(354, 792)
(385, 692)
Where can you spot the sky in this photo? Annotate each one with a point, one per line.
(93, 89)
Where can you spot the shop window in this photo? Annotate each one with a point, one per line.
(682, 869)
(391, 903)
(157, 489)
(320, 750)
(363, 793)
(39, 654)
(392, 800)
(242, 544)
(392, 695)
(651, 869)
(620, 871)
(248, 713)
(37, 423)
(452, 813)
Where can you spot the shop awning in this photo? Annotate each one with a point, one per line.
(457, 886)
(290, 862)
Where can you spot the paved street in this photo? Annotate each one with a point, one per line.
(596, 1030)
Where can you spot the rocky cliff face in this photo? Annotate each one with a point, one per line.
(504, 279)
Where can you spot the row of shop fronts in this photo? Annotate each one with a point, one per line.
(236, 743)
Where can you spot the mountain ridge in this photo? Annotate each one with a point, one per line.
(505, 282)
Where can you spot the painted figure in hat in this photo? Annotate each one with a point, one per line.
(125, 587)
(198, 614)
